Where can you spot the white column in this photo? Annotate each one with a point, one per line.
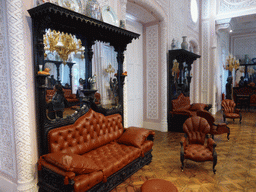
(20, 96)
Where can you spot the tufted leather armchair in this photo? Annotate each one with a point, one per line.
(229, 110)
(215, 129)
(193, 143)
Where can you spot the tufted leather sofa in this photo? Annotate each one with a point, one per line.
(94, 140)
(182, 109)
(71, 98)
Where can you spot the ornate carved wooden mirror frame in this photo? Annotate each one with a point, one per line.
(87, 29)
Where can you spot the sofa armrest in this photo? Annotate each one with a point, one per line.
(151, 136)
(208, 107)
(67, 176)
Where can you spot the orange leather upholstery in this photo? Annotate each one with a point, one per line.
(229, 111)
(158, 185)
(216, 129)
(253, 100)
(182, 106)
(113, 156)
(67, 94)
(192, 146)
(94, 136)
(97, 98)
(89, 132)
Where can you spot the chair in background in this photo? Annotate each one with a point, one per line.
(215, 128)
(97, 98)
(193, 142)
(229, 110)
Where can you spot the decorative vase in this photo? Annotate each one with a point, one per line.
(122, 24)
(173, 46)
(184, 44)
(246, 59)
(93, 10)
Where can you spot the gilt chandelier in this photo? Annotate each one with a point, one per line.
(63, 44)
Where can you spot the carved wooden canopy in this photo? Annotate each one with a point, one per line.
(55, 17)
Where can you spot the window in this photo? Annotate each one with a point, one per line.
(194, 10)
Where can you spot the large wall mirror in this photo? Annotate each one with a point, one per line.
(98, 64)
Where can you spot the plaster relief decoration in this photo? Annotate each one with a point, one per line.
(229, 5)
(205, 60)
(7, 151)
(205, 9)
(152, 71)
(20, 97)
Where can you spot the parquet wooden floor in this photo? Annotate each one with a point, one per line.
(236, 166)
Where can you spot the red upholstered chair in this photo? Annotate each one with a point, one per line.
(97, 98)
(193, 143)
(215, 128)
(229, 111)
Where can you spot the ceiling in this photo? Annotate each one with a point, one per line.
(139, 14)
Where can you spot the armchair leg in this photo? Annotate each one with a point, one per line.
(182, 160)
(228, 136)
(214, 162)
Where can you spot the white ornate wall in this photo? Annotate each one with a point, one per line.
(134, 80)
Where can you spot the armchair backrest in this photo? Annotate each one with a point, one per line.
(196, 129)
(208, 116)
(228, 106)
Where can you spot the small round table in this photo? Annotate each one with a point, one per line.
(158, 185)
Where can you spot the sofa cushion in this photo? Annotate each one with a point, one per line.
(72, 162)
(113, 157)
(197, 107)
(184, 108)
(134, 136)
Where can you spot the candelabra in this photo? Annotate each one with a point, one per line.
(63, 44)
(175, 68)
(231, 63)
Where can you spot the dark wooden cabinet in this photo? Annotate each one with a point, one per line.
(180, 82)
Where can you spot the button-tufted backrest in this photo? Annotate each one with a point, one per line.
(196, 129)
(228, 105)
(90, 131)
(180, 102)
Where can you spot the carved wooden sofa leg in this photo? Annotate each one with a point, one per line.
(182, 156)
(228, 133)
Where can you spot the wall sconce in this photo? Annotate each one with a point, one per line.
(110, 69)
(62, 43)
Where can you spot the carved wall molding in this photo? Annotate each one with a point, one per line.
(7, 145)
(15, 26)
(231, 5)
(205, 61)
(152, 72)
(161, 15)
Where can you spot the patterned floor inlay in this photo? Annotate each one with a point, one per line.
(236, 167)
